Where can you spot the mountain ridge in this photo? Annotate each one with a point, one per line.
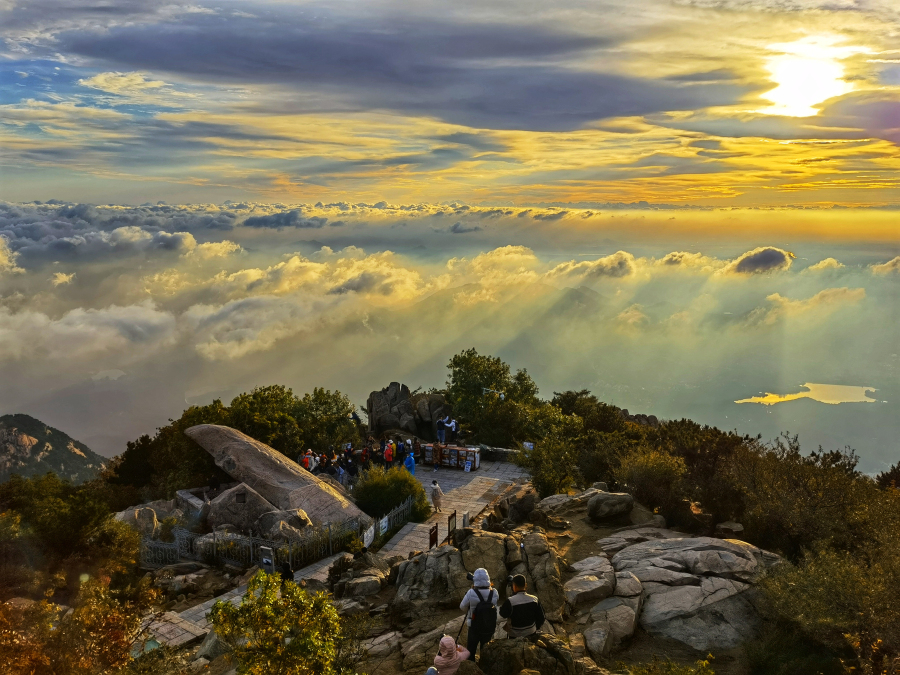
(29, 447)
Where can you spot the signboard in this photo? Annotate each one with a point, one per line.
(267, 559)
(468, 466)
(369, 536)
(384, 526)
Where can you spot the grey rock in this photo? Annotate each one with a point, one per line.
(276, 478)
(598, 640)
(389, 421)
(608, 504)
(362, 586)
(600, 486)
(212, 647)
(145, 522)
(408, 422)
(616, 542)
(627, 585)
(422, 411)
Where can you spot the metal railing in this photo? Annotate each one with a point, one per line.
(225, 547)
(313, 544)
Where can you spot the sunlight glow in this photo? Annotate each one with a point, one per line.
(807, 72)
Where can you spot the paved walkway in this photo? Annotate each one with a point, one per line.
(463, 492)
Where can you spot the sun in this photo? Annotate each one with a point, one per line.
(806, 73)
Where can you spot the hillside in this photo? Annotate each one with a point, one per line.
(29, 447)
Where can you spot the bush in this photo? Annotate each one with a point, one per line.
(258, 629)
(653, 477)
(840, 599)
(378, 491)
(667, 667)
(782, 649)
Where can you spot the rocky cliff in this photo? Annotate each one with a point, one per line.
(29, 447)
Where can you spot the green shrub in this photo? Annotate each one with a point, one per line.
(291, 632)
(378, 491)
(653, 477)
(668, 667)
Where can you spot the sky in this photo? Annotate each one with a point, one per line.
(677, 204)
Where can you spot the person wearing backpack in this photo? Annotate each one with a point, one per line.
(480, 605)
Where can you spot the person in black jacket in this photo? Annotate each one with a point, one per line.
(524, 612)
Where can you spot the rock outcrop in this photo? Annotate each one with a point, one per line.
(545, 655)
(392, 409)
(276, 478)
(697, 590)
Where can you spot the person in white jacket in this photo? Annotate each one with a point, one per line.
(482, 590)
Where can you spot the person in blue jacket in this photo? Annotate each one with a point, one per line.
(410, 464)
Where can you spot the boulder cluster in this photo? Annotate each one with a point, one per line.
(275, 498)
(395, 409)
(698, 591)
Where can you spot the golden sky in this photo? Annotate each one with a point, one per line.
(700, 102)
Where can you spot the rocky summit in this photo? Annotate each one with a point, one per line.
(277, 482)
(28, 447)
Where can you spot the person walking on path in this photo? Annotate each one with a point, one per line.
(436, 495)
(525, 613)
(410, 464)
(480, 605)
(436, 455)
(450, 656)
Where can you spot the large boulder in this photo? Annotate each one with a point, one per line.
(145, 522)
(437, 577)
(240, 506)
(276, 478)
(408, 423)
(422, 410)
(619, 540)
(595, 580)
(609, 504)
(697, 590)
(487, 550)
(542, 566)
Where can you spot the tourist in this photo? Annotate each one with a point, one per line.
(440, 426)
(482, 623)
(401, 450)
(454, 429)
(352, 471)
(436, 495)
(364, 457)
(417, 450)
(525, 614)
(448, 658)
(410, 464)
(436, 455)
(383, 444)
(389, 454)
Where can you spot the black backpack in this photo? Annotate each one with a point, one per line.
(484, 618)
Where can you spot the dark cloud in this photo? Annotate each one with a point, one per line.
(554, 215)
(480, 75)
(294, 218)
(459, 228)
(761, 260)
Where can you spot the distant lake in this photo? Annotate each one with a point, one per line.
(824, 393)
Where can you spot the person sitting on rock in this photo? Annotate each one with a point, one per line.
(449, 656)
(525, 613)
(480, 605)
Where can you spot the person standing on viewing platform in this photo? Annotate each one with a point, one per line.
(417, 450)
(441, 429)
(436, 455)
(389, 454)
(454, 427)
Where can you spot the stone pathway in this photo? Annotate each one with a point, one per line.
(174, 631)
(463, 492)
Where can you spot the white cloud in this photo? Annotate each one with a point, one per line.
(826, 264)
(8, 258)
(618, 265)
(215, 249)
(822, 303)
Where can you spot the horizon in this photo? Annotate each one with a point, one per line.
(677, 205)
